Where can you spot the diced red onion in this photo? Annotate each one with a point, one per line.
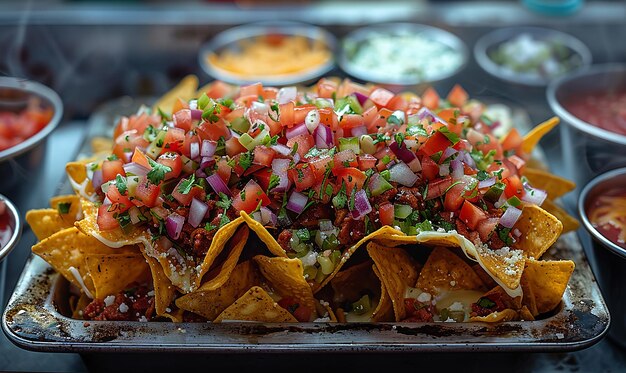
(475, 137)
(296, 158)
(193, 104)
(206, 162)
(218, 185)
(517, 233)
(487, 182)
(279, 168)
(415, 165)
(194, 150)
(425, 113)
(401, 173)
(362, 205)
(281, 149)
(457, 169)
(174, 225)
(197, 210)
(268, 218)
(359, 131)
(107, 201)
(404, 154)
(444, 169)
(196, 114)
(297, 202)
(298, 130)
(533, 195)
(286, 94)
(360, 97)
(510, 217)
(133, 168)
(96, 179)
(128, 156)
(134, 214)
(208, 148)
(257, 217)
(323, 137)
(449, 152)
(259, 107)
(312, 120)
(467, 159)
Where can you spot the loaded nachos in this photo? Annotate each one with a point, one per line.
(342, 202)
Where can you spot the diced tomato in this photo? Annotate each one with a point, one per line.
(190, 138)
(174, 139)
(386, 213)
(323, 193)
(454, 197)
(381, 119)
(430, 169)
(263, 176)
(381, 97)
(141, 158)
(233, 147)
(246, 101)
(269, 93)
(438, 142)
(180, 104)
(326, 88)
(397, 103)
(106, 219)
(343, 159)
(126, 143)
(300, 312)
(457, 96)
(430, 98)
(518, 162)
(305, 143)
(471, 215)
(490, 143)
(138, 123)
(119, 201)
(147, 193)
(173, 161)
(300, 112)
(255, 89)
(302, 176)
(286, 114)
(320, 165)
(250, 197)
(486, 227)
(512, 140)
(263, 156)
(110, 169)
(438, 187)
(224, 170)
(182, 119)
(328, 117)
(513, 187)
(218, 89)
(450, 116)
(366, 162)
(353, 177)
(213, 131)
(369, 116)
(351, 121)
(185, 199)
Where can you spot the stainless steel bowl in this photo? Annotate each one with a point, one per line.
(230, 39)
(610, 258)
(21, 162)
(588, 150)
(352, 42)
(15, 222)
(494, 39)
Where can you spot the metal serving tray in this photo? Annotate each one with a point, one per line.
(34, 317)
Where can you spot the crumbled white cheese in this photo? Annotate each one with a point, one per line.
(109, 300)
(456, 306)
(452, 283)
(449, 320)
(123, 308)
(322, 319)
(424, 297)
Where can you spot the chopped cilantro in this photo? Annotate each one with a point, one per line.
(186, 185)
(112, 157)
(64, 207)
(294, 149)
(209, 227)
(485, 302)
(242, 194)
(158, 171)
(392, 119)
(453, 137)
(224, 201)
(424, 226)
(164, 116)
(503, 234)
(482, 175)
(399, 138)
(340, 200)
(417, 130)
(245, 160)
(379, 137)
(120, 183)
(274, 181)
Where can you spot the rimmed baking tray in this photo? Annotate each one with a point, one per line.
(34, 319)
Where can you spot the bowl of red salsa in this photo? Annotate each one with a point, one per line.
(602, 208)
(10, 226)
(592, 106)
(29, 112)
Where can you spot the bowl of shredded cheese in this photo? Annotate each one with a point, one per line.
(277, 53)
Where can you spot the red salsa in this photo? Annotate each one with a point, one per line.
(607, 213)
(5, 228)
(17, 127)
(606, 110)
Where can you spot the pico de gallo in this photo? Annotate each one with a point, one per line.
(321, 169)
(17, 127)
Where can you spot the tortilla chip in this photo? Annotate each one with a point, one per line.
(264, 235)
(101, 144)
(209, 302)
(286, 277)
(81, 303)
(234, 246)
(73, 205)
(384, 309)
(112, 273)
(184, 90)
(350, 284)
(445, 271)
(532, 138)
(548, 279)
(256, 305)
(175, 315)
(540, 230)
(77, 175)
(398, 272)
(529, 300)
(499, 293)
(164, 290)
(525, 314)
(498, 316)
(555, 186)
(569, 222)
(484, 276)
(46, 222)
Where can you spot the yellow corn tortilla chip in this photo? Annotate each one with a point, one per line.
(71, 203)
(235, 247)
(384, 309)
(398, 272)
(554, 185)
(540, 230)
(499, 293)
(46, 222)
(350, 284)
(164, 290)
(286, 277)
(529, 300)
(210, 302)
(548, 279)
(525, 314)
(498, 316)
(101, 144)
(256, 305)
(444, 271)
(532, 138)
(184, 90)
(77, 175)
(81, 303)
(264, 235)
(112, 273)
(569, 222)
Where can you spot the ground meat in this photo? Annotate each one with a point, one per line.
(350, 230)
(284, 240)
(201, 241)
(132, 306)
(411, 197)
(462, 229)
(311, 217)
(417, 311)
(495, 243)
(386, 196)
(340, 216)
(499, 305)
